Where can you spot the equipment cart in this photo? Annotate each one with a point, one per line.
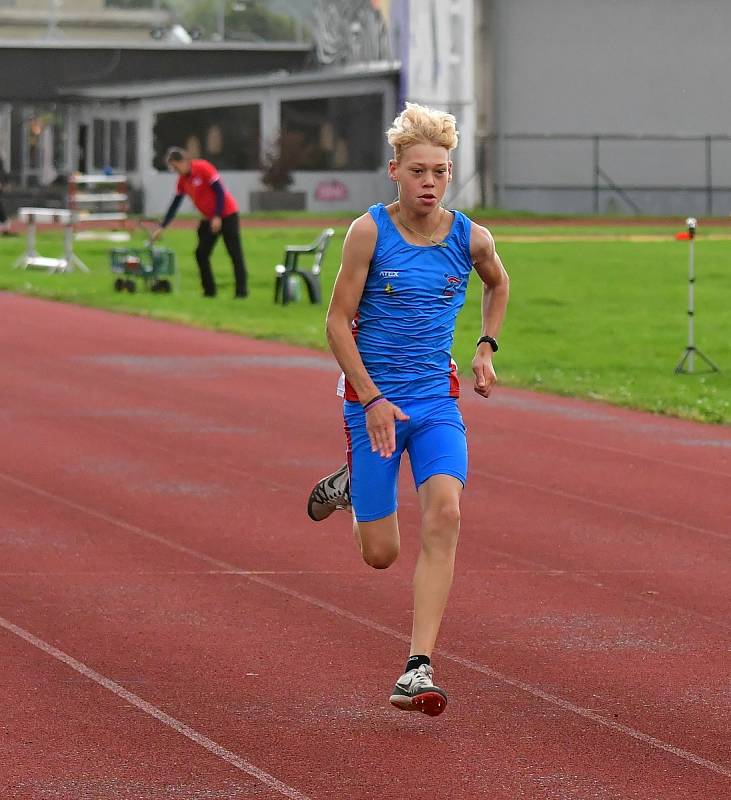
(153, 266)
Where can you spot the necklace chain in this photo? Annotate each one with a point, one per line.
(430, 237)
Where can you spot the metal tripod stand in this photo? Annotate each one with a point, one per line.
(687, 361)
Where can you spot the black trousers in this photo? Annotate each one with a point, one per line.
(231, 238)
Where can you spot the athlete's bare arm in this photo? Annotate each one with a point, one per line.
(495, 292)
(358, 248)
(360, 242)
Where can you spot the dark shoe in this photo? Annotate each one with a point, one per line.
(415, 691)
(330, 494)
(244, 293)
(209, 294)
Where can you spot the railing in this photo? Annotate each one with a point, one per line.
(513, 164)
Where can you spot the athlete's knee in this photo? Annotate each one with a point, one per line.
(443, 515)
(380, 555)
(440, 530)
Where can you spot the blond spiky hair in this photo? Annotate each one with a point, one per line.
(421, 125)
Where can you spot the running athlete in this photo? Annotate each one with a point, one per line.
(390, 326)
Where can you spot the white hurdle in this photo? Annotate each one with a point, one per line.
(49, 216)
(99, 198)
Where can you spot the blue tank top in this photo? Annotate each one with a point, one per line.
(404, 328)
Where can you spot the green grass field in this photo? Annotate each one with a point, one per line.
(598, 317)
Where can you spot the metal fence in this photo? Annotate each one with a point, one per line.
(599, 173)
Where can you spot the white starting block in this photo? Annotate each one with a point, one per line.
(49, 216)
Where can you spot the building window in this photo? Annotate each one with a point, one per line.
(115, 145)
(226, 136)
(100, 144)
(337, 133)
(130, 142)
(37, 146)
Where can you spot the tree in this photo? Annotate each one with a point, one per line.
(285, 155)
(242, 20)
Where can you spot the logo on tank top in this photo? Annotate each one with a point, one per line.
(389, 275)
(452, 284)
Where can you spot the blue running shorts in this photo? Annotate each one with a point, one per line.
(434, 437)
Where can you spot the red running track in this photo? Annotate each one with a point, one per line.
(173, 626)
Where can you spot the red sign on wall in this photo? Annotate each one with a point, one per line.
(331, 191)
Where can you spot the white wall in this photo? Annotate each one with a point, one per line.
(363, 188)
(612, 66)
(440, 73)
(623, 66)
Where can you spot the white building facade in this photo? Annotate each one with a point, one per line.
(570, 106)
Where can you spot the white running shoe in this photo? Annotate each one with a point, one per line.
(330, 494)
(415, 691)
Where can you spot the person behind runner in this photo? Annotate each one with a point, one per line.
(390, 325)
(199, 180)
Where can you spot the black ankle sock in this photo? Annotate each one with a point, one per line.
(416, 661)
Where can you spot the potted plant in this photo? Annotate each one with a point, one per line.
(284, 155)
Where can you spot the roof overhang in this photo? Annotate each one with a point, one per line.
(86, 44)
(165, 89)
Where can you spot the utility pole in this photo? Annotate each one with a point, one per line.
(52, 29)
(221, 14)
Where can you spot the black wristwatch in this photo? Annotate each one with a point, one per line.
(492, 342)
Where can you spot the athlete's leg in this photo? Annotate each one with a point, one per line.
(373, 489)
(438, 455)
(378, 540)
(367, 485)
(439, 497)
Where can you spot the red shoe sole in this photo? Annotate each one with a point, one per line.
(430, 703)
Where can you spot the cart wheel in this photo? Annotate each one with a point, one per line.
(165, 286)
(130, 285)
(118, 285)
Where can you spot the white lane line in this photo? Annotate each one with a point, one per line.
(127, 437)
(499, 676)
(391, 632)
(599, 239)
(586, 578)
(677, 465)
(133, 699)
(120, 523)
(131, 573)
(601, 504)
(407, 503)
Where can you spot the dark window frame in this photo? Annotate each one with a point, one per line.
(237, 128)
(339, 133)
